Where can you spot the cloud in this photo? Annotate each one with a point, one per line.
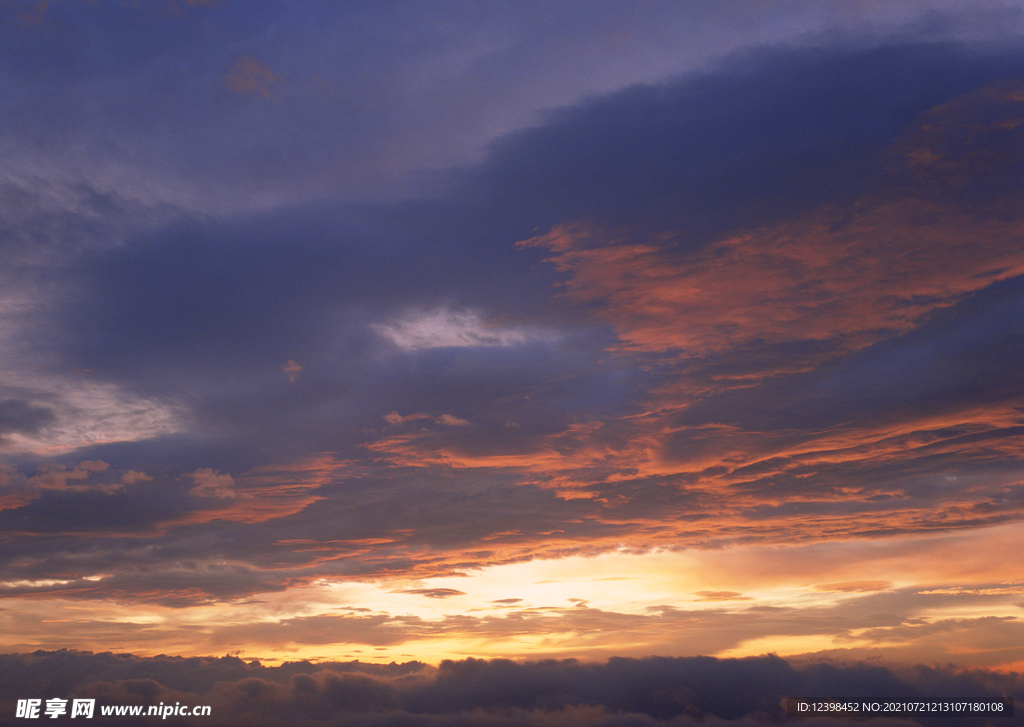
(70, 414)
(394, 418)
(1006, 590)
(212, 484)
(452, 421)
(20, 416)
(853, 275)
(721, 596)
(131, 477)
(681, 691)
(446, 329)
(248, 76)
(434, 592)
(56, 477)
(855, 586)
(291, 370)
(311, 602)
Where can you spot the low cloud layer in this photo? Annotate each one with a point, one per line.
(649, 691)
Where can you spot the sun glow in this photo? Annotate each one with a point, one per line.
(730, 602)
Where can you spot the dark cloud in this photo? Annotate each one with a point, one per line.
(212, 312)
(620, 692)
(434, 592)
(937, 368)
(21, 416)
(757, 142)
(143, 90)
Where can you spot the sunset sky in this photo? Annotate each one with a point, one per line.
(391, 331)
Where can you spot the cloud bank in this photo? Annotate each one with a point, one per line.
(650, 691)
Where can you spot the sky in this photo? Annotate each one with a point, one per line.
(470, 335)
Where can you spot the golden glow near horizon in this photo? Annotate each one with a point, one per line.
(739, 601)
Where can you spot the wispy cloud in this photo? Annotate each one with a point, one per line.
(248, 76)
(445, 328)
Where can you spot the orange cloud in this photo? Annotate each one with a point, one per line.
(212, 484)
(849, 276)
(291, 370)
(721, 596)
(57, 477)
(262, 494)
(854, 586)
(131, 477)
(966, 145)
(573, 449)
(853, 273)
